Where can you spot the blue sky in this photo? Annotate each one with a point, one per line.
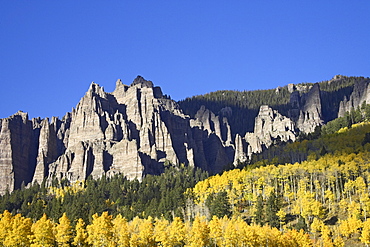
(50, 51)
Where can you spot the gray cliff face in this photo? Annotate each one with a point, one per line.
(17, 152)
(270, 128)
(306, 108)
(132, 131)
(360, 94)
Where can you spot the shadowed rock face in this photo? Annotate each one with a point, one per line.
(136, 129)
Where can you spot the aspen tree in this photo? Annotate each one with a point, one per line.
(198, 234)
(365, 234)
(43, 235)
(215, 231)
(81, 235)
(146, 232)
(63, 235)
(20, 232)
(6, 219)
(161, 233)
(177, 231)
(121, 231)
(100, 231)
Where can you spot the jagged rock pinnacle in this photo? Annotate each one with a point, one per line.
(139, 80)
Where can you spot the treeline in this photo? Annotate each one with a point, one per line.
(347, 134)
(245, 104)
(156, 196)
(106, 230)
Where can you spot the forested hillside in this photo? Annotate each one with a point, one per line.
(322, 201)
(311, 192)
(245, 104)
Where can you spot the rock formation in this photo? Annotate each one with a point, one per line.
(360, 94)
(136, 129)
(270, 128)
(133, 131)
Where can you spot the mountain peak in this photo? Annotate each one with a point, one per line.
(139, 80)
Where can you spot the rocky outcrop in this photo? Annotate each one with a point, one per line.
(306, 108)
(270, 128)
(132, 131)
(359, 95)
(17, 151)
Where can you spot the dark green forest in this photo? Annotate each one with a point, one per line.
(245, 104)
(156, 196)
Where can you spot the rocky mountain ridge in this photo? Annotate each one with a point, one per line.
(136, 129)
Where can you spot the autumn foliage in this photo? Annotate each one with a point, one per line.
(106, 230)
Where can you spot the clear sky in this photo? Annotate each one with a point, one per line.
(50, 51)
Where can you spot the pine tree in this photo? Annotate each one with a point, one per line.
(272, 207)
(218, 204)
(259, 217)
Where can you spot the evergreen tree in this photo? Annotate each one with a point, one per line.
(259, 217)
(218, 204)
(272, 208)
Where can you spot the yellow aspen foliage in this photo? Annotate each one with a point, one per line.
(63, 231)
(231, 233)
(161, 233)
(134, 231)
(198, 234)
(142, 232)
(349, 226)
(43, 235)
(100, 232)
(81, 234)
(19, 233)
(338, 241)
(282, 215)
(294, 238)
(146, 232)
(250, 234)
(354, 209)
(326, 236)
(365, 234)
(177, 232)
(215, 231)
(6, 219)
(316, 225)
(121, 231)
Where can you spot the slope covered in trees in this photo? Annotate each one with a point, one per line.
(323, 200)
(106, 230)
(245, 104)
(327, 196)
(155, 196)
